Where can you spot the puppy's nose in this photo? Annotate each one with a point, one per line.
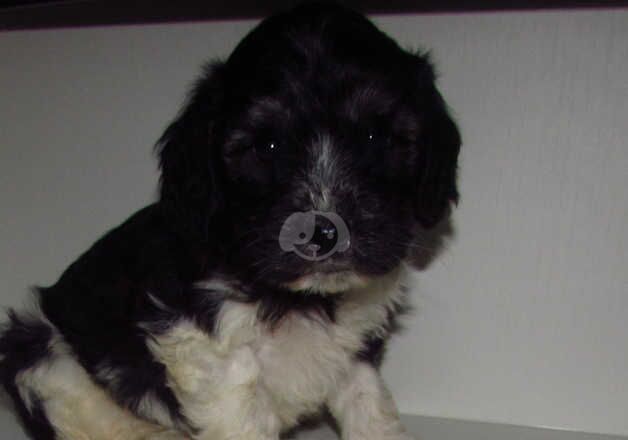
(325, 234)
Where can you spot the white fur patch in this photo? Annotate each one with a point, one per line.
(364, 407)
(328, 282)
(323, 174)
(215, 284)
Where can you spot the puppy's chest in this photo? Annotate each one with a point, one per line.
(301, 362)
(293, 366)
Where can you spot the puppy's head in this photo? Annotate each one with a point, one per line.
(311, 154)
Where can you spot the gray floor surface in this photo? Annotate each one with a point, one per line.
(431, 428)
(425, 428)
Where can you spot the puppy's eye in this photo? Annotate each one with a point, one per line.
(377, 138)
(267, 148)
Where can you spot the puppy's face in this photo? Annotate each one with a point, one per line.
(315, 149)
(328, 137)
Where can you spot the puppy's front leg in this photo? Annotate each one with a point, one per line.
(240, 409)
(222, 396)
(364, 409)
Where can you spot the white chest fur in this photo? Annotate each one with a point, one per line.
(270, 377)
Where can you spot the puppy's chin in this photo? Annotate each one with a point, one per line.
(328, 283)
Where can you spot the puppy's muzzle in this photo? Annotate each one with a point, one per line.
(314, 235)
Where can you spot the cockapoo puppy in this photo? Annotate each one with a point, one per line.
(260, 288)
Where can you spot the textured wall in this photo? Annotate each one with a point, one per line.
(522, 319)
(525, 318)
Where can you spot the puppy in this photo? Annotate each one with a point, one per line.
(262, 285)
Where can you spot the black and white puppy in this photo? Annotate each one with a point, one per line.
(260, 288)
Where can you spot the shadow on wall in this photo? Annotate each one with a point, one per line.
(428, 244)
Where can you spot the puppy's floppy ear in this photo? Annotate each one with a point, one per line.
(438, 147)
(189, 158)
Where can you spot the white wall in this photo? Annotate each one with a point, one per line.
(522, 320)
